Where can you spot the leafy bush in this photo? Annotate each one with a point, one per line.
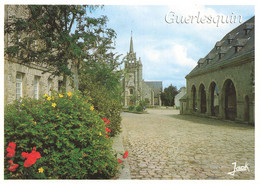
(102, 84)
(144, 103)
(108, 106)
(139, 108)
(131, 108)
(69, 134)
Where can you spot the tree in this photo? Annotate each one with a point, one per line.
(100, 80)
(168, 95)
(58, 37)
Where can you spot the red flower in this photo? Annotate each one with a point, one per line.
(108, 130)
(106, 121)
(31, 157)
(29, 162)
(11, 150)
(13, 166)
(125, 155)
(12, 145)
(25, 155)
(35, 154)
(120, 161)
(11, 162)
(107, 137)
(10, 154)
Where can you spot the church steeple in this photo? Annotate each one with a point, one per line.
(131, 45)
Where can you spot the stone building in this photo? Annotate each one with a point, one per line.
(222, 83)
(182, 92)
(135, 88)
(22, 80)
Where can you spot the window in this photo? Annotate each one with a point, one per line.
(60, 86)
(36, 87)
(50, 86)
(19, 85)
(131, 91)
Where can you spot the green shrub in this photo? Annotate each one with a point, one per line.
(68, 133)
(139, 108)
(108, 106)
(131, 108)
(144, 103)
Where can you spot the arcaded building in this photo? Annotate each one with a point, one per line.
(222, 83)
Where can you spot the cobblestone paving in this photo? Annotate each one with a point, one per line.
(166, 145)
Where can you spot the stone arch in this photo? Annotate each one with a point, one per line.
(213, 99)
(194, 98)
(202, 99)
(246, 116)
(230, 99)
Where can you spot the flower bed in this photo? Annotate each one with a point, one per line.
(70, 137)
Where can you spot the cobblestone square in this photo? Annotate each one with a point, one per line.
(166, 145)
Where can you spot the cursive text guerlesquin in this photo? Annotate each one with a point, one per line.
(239, 168)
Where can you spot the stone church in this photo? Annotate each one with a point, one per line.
(135, 88)
(222, 84)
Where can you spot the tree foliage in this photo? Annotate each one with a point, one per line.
(57, 37)
(100, 79)
(168, 95)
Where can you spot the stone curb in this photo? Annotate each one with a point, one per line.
(124, 172)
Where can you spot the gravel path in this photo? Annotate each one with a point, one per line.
(166, 145)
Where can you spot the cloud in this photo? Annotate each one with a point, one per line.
(175, 54)
(180, 54)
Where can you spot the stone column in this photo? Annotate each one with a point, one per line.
(152, 96)
(240, 111)
(160, 102)
(252, 112)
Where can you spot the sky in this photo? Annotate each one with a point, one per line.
(169, 51)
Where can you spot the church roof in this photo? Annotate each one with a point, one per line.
(156, 86)
(240, 42)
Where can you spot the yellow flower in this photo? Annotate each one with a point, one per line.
(92, 108)
(58, 116)
(53, 104)
(100, 133)
(69, 93)
(45, 95)
(41, 170)
(34, 122)
(22, 104)
(49, 98)
(60, 95)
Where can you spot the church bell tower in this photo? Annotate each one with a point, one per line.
(132, 82)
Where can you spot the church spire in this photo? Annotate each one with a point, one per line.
(131, 45)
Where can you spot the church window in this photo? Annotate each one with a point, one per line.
(19, 85)
(131, 91)
(50, 86)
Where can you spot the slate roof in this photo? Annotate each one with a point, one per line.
(155, 85)
(226, 48)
